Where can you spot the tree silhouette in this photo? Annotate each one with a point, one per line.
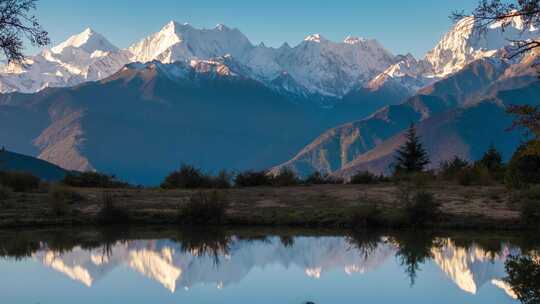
(411, 157)
(492, 159)
(18, 24)
(489, 12)
(524, 278)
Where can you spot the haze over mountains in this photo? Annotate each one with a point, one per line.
(211, 98)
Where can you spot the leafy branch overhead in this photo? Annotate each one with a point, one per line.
(17, 24)
(489, 12)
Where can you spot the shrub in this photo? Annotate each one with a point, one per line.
(189, 177)
(422, 208)
(451, 170)
(366, 216)
(285, 177)
(60, 198)
(5, 194)
(19, 181)
(364, 177)
(252, 179)
(204, 208)
(222, 180)
(523, 169)
(316, 178)
(92, 180)
(465, 177)
(530, 205)
(110, 213)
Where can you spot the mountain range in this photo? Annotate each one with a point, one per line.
(211, 98)
(166, 263)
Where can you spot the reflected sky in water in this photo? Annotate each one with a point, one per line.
(321, 269)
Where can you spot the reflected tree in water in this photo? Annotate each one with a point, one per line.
(212, 242)
(364, 241)
(415, 249)
(524, 277)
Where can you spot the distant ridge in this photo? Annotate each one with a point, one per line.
(10, 161)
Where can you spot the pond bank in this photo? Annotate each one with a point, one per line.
(482, 207)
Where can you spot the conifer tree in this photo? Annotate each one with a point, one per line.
(411, 157)
(492, 159)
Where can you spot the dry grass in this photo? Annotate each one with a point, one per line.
(320, 205)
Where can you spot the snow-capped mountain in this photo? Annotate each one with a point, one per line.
(84, 57)
(463, 44)
(315, 66)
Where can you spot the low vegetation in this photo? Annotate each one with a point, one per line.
(316, 178)
(203, 208)
(252, 179)
(189, 177)
(109, 212)
(364, 177)
(5, 194)
(19, 181)
(92, 180)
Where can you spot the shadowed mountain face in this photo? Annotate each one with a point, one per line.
(459, 115)
(10, 161)
(145, 120)
(466, 132)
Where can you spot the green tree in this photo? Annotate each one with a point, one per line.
(492, 159)
(411, 157)
(524, 277)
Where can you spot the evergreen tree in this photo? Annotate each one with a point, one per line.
(411, 157)
(492, 159)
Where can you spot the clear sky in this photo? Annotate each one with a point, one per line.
(400, 25)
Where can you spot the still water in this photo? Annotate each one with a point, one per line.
(169, 266)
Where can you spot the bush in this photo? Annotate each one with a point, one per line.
(110, 213)
(252, 179)
(222, 180)
(451, 170)
(530, 206)
(316, 178)
(19, 181)
(204, 208)
(92, 180)
(523, 169)
(5, 193)
(366, 216)
(285, 177)
(189, 177)
(60, 198)
(422, 208)
(364, 177)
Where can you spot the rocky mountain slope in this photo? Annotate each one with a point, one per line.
(147, 119)
(459, 115)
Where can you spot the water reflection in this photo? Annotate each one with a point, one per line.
(185, 259)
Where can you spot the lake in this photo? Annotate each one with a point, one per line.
(172, 265)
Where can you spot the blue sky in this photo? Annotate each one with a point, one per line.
(401, 26)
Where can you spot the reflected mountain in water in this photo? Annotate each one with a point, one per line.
(175, 265)
(169, 264)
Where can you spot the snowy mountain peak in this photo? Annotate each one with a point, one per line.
(315, 38)
(176, 42)
(88, 40)
(222, 27)
(353, 40)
